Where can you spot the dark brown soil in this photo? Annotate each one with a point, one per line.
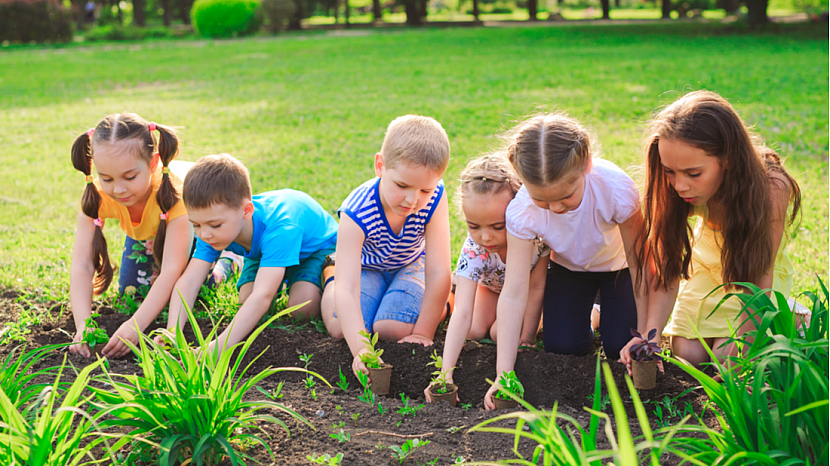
(548, 379)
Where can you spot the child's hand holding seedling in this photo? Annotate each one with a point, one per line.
(441, 378)
(368, 356)
(509, 383)
(90, 336)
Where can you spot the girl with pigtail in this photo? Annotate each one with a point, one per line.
(135, 186)
(488, 184)
(587, 210)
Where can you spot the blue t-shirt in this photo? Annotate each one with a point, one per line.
(288, 226)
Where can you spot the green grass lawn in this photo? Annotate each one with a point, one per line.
(308, 111)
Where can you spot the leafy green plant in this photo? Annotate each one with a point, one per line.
(401, 453)
(368, 396)
(341, 436)
(306, 359)
(355, 417)
(645, 350)
(510, 384)
(604, 401)
(46, 433)
(276, 394)
(772, 401)
(224, 18)
(338, 425)
(466, 406)
(93, 334)
(439, 376)
(192, 405)
(326, 459)
(17, 373)
(407, 410)
(342, 383)
(372, 357)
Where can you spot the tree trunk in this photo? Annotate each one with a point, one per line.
(757, 12)
(422, 4)
(184, 10)
(378, 13)
(336, 11)
(666, 7)
(165, 11)
(118, 15)
(475, 9)
(617, 3)
(294, 23)
(606, 9)
(413, 12)
(533, 9)
(346, 5)
(139, 17)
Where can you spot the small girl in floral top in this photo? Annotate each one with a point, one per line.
(488, 184)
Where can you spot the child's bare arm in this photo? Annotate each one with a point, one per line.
(536, 293)
(350, 239)
(80, 280)
(628, 232)
(266, 286)
(185, 291)
(177, 244)
(437, 281)
(513, 296)
(462, 319)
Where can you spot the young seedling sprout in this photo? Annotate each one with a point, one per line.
(439, 377)
(510, 384)
(645, 350)
(93, 334)
(372, 357)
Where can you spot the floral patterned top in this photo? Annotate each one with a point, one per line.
(487, 269)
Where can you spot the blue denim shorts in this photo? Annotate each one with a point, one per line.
(308, 270)
(392, 295)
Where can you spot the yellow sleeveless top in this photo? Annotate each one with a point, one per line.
(691, 310)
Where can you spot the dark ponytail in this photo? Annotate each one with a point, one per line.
(91, 201)
(166, 197)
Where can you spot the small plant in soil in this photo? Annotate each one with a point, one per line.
(372, 357)
(401, 453)
(406, 409)
(603, 402)
(466, 406)
(342, 384)
(439, 377)
(644, 357)
(381, 409)
(510, 384)
(275, 394)
(355, 417)
(326, 459)
(338, 425)
(454, 429)
(341, 436)
(379, 372)
(93, 334)
(368, 396)
(306, 360)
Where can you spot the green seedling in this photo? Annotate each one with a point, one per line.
(603, 403)
(338, 425)
(431, 463)
(368, 396)
(310, 382)
(314, 394)
(273, 395)
(93, 334)
(355, 416)
(326, 459)
(406, 409)
(372, 358)
(510, 383)
(401, 453)
(454, 429)
(439, 377)
(342, 384)
(306, 359)
(466, 406)
(381, 409)
(341, 436)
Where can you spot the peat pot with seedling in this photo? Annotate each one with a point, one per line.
(379, 371)
(509, 384)
(644, 356)
(94, 336)
(440, 389)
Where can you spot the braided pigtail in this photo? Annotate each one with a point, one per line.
(166, 197)
(90, 203)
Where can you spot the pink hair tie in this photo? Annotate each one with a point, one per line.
(89, 179)
(151, 126)
(163, 216)
(98, 222)
(90, 132)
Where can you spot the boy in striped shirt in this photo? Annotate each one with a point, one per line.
(393, 244)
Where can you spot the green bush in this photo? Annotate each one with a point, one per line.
(35, 20)
(116, 32)
(225, 18)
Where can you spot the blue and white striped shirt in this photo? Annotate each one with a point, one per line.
(383, 250)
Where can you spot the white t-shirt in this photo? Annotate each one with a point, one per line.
(487, 269)
(586, 239)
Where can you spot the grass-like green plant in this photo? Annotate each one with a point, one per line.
(557, 443)
(342, 383)
(772, 401)
(439, 377)
(510, 384)
(54, 429)
(193, 406)
(401, 453)
(326, 459)
(406, 409)
(341, 436)
(93, 334)
(17, 373)
(372, 357)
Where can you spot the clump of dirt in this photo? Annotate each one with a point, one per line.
(548, 379)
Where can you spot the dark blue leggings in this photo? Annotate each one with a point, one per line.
(569, 298)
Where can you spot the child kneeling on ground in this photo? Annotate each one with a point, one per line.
(393, 250)
(283, 235)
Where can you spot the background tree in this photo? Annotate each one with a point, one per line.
(533, 9)
(606, 9)
(139, 16)
(666, 9)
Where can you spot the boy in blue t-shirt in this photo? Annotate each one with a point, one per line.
(283, 235)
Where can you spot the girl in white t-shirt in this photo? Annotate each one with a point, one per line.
(587, 210)
(488, 184)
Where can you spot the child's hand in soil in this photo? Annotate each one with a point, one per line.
(360, 366)
(625, 354)
(79, 346)
(528, 343)
(489, 404)
(116, 348)
(429, 398)
(415, 338)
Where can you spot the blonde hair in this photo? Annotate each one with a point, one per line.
(416, 140)
(545, 148)
(216, 180)
(487, 175)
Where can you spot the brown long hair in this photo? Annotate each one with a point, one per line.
(708, 122)
(131, 129)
